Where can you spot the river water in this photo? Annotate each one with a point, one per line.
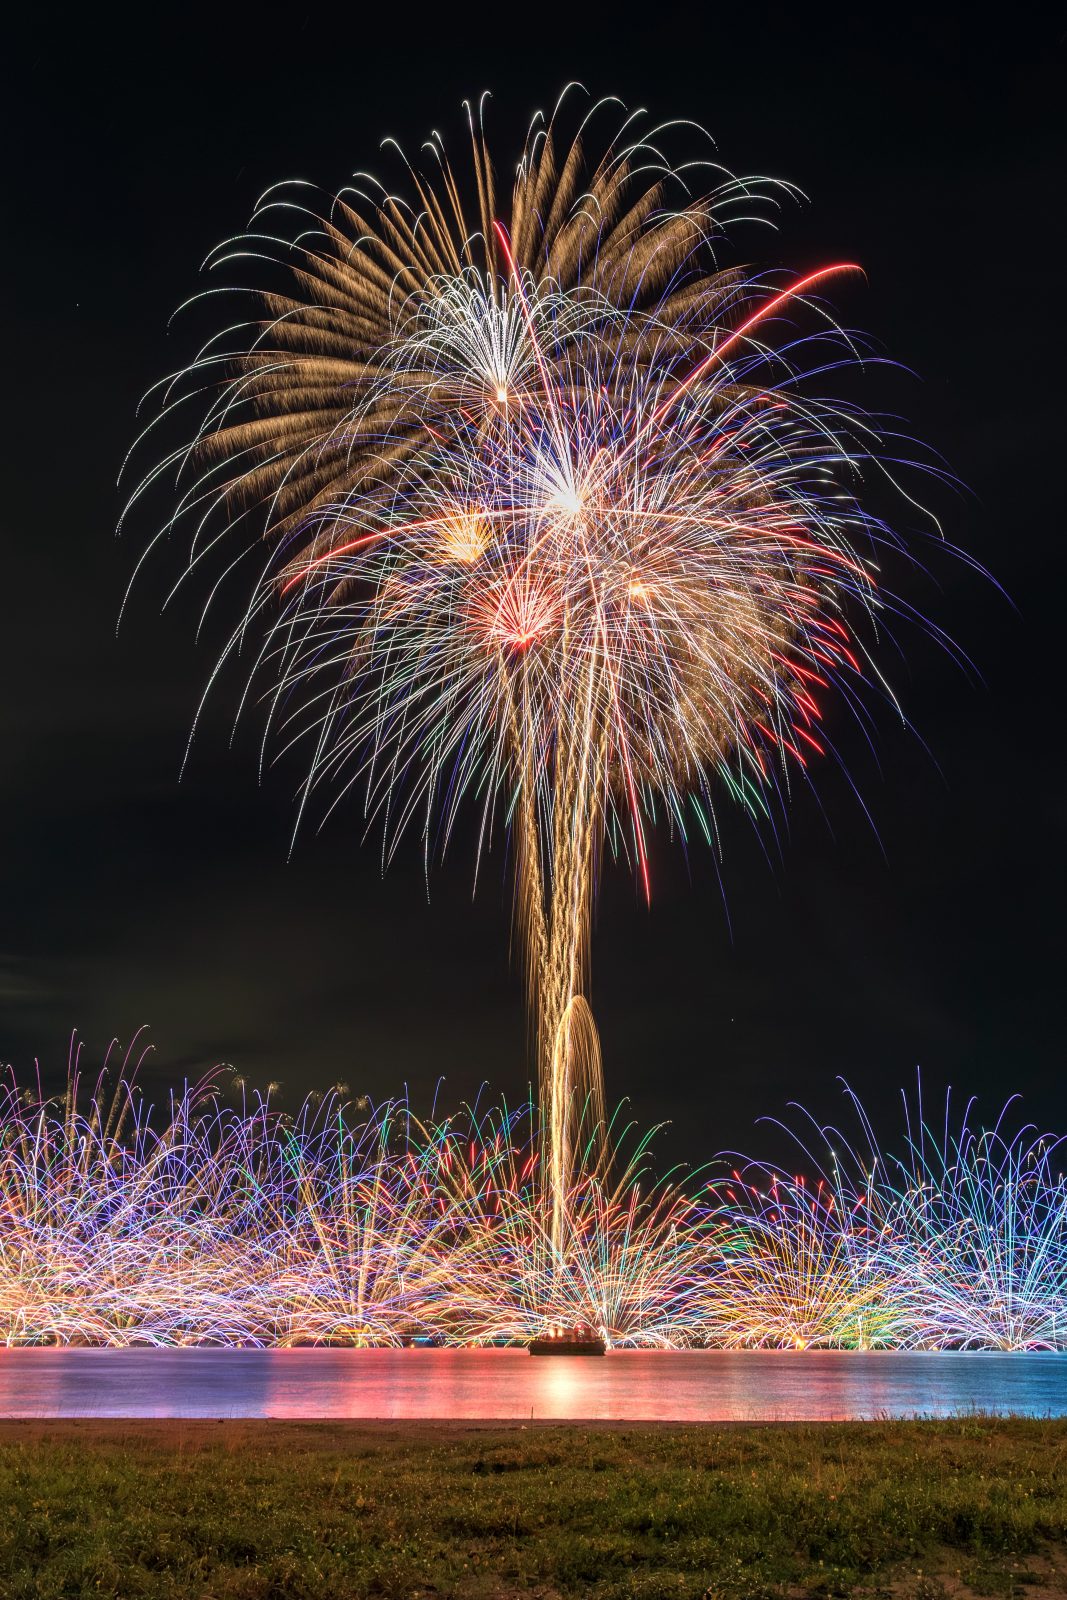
(624, 1386)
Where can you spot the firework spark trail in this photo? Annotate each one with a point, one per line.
(979, 1222)
(227, 1222)
(553, 521)
(234, 1224)
(957, 1241)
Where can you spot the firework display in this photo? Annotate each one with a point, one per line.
(958, 1240)
(226, 1222)
(551, 516)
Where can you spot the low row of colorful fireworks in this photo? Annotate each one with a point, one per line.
(227, 1222)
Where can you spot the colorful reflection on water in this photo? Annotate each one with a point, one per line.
(624, 1386)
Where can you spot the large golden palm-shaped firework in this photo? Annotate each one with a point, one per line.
(548, 524)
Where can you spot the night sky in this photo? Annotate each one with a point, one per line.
(932, 153)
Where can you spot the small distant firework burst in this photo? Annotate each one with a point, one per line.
(556, 520)
(224, 1221)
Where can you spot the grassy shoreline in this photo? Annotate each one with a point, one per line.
(259, 1510)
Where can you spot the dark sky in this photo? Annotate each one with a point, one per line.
(931, 150)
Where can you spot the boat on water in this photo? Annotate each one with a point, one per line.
(579, 1340)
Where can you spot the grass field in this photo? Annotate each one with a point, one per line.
(326, 1511)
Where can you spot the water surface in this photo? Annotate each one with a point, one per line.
(625, 1385)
